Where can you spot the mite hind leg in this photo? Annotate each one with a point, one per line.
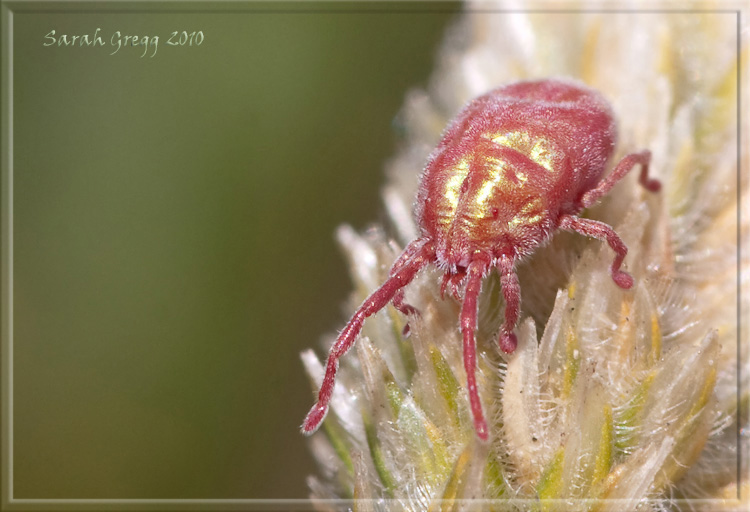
(621, 169)
(602, 231)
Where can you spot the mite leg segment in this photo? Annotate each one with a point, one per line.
(621, 169)
(602, 231)
(423, 254)
(454, 282)
(468, 328)
(512, 295)
(398, 298)
(408, 253)
(405, 309)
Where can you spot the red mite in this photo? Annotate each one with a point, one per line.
(515, 165)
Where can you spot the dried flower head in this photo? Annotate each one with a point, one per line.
(613, 400)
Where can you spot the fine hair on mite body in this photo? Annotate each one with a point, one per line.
(514, 166)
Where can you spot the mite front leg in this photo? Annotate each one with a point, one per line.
(512, 295)
(408, 253)
(602, 231)
(398, 299)
(374, 303)
(468, 328)
(621, 169)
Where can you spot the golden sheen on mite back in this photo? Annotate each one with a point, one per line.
(515, 165)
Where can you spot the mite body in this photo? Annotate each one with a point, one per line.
(515, 165)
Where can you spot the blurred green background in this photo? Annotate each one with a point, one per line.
(173, 231)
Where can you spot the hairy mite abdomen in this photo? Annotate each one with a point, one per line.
(510, 164)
